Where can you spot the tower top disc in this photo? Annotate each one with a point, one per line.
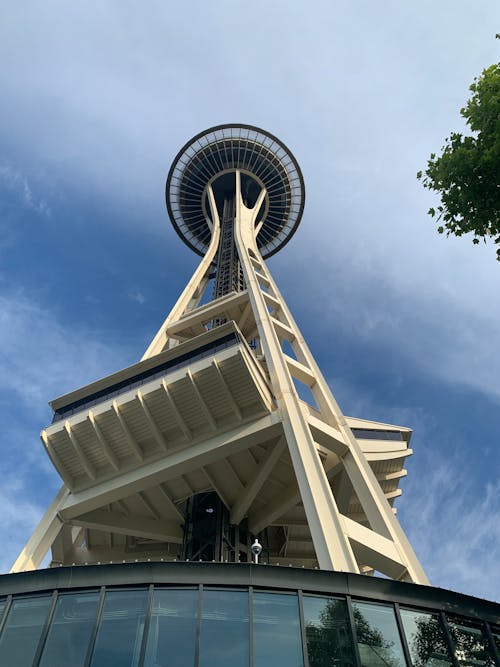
(208, 159)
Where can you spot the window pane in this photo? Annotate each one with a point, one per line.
(327, 632)
(2, 607)
(496, 637)
(172, 630)
(224, 639)
(276, 630)
(120, 631)
(69, 634)
(378, 637)
(22, 631)
(425, 639)
(471, 646)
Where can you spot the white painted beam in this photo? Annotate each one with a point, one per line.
(172, 507)
(150, 529)
(45, 533)
(226, 389)
(61, 468)
(132, 442)
(327, 436)
(158, 435)
(175, 410)
(204, 407)
(274, 509)
(214, 483)
(106, 448)
(173, 464)
(87, 465)
(252, 488)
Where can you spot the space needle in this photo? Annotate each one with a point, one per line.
(216, 505)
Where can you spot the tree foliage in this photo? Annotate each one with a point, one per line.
(467, 173)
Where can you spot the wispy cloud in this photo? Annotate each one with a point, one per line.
(450, 517)
(454, 526)
(41, 357)
(137, 296)
(17, 182)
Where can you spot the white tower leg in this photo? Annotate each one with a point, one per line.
(330, 530)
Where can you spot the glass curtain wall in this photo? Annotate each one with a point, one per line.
(207, 626)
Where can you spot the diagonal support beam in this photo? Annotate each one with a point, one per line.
(380, 552)
(158, 435)
(132, 442)
(175, 411)
(143, 527)
(274, 509)
(172, 465)
(87, 465)
(253, 487)
(45, 533)
(204, 407)
(67, 479)
(216, 486)
(108, 452)
(226, 389)
(172, 507)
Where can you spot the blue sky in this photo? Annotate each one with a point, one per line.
(96, 101)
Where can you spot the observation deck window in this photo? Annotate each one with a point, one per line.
(376, 434)
(378, 637)
(276, 630)
(172, 629)
(425, 638)
(470, 644)
(224, 614)
(70, 630)
(22, 630)
(238, 626)
(120, 632)
(328, 635)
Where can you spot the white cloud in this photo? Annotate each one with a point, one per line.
(451, 518)
(454, 528)
(17, 182)
(41, 358)
(137, 296)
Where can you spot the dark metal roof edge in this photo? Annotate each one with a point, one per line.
(247, 574)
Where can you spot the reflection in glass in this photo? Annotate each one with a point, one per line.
(22, 630)
(378, 637)
(172, 630)
(224, 636)
(2, 607)
(276, 630)
(328, 634)
(69, 634)
(471, 646)
(119, 637)
(425, 638)
(496, 637)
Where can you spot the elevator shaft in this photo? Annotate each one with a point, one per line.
(229, 276)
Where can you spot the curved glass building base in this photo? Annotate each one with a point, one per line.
(237, 615)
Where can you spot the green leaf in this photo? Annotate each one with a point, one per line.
(465, 174)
